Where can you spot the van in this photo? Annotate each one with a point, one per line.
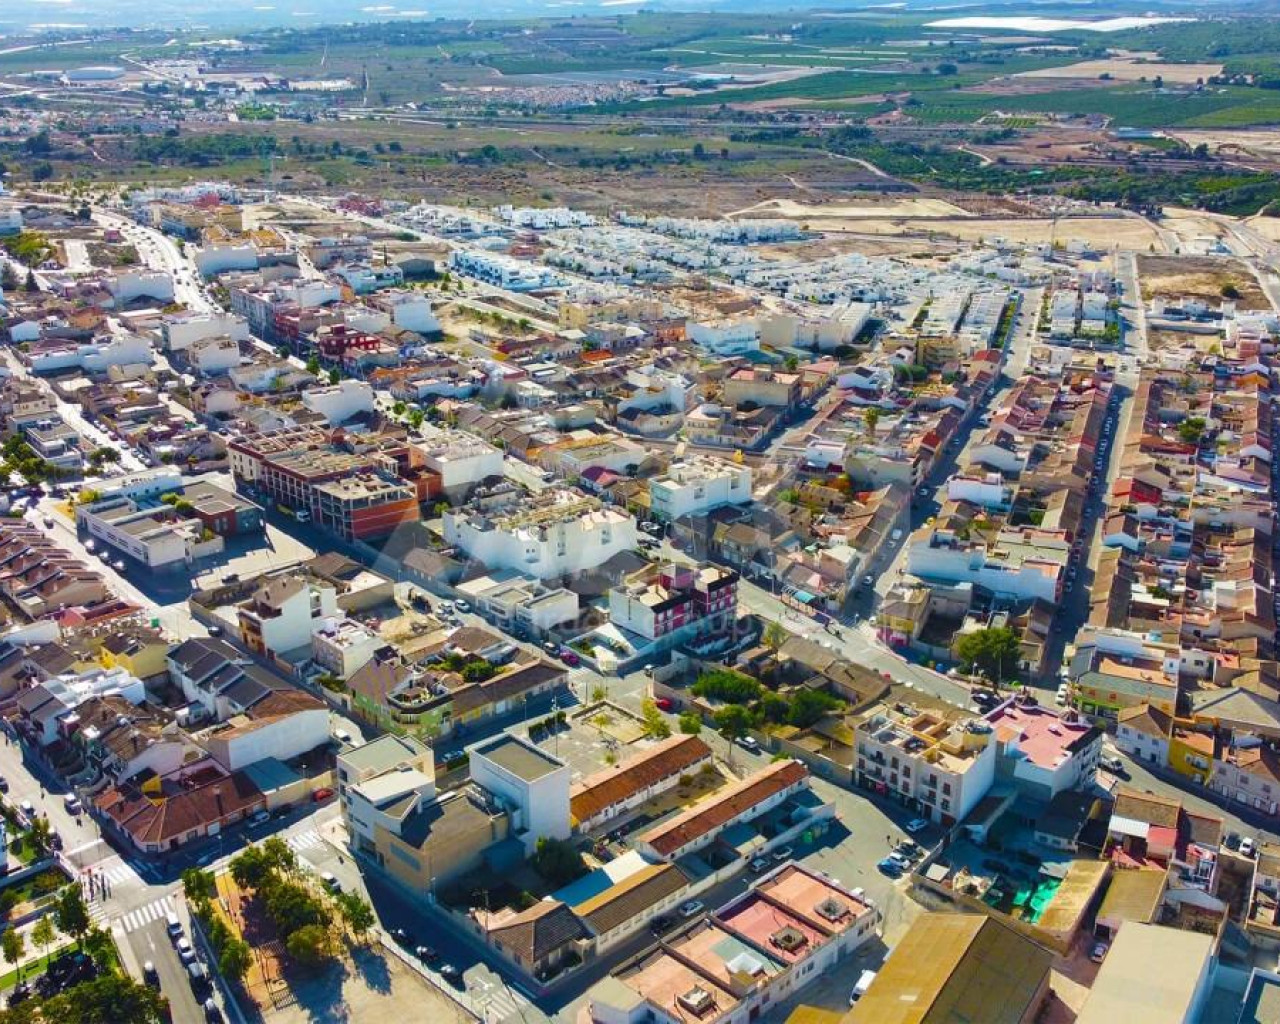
(860, 989)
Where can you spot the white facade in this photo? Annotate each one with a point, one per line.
(218, 259)
(725, 337)
(698, 485)
(241, 744)
(296, 616)
(822, 331)
(462, 460)
(343, 646)
(1006, 572)
(532, 784)
(989, 491)
(153, 536)
(337, 403)
(573, 536)
(211, 356)
(180, 331)
(95, 356)
(141, 284)
(410, 311)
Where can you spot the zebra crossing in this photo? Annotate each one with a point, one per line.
(116, 873)
(499, 1002)
(143, 916)
(304, 840)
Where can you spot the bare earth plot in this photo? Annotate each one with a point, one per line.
(1122, 70)
(911, 208)
(1129, 233)
(1172, 277)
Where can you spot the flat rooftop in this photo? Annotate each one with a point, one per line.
(521, 759)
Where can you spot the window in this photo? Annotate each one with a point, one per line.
(946, 788)
(946, 805)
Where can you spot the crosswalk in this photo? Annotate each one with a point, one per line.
(117, 873)
(499, 1002)
(143, 916)
(304, 840)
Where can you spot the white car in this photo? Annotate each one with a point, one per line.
(916, 825)
(1248, 847)
(691, 909)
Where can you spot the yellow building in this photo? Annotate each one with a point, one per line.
(141, 653)
(1191, 753)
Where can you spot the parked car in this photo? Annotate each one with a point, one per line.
(916, 825)
(426, 954)
(1248, 847)
(665, 704)
(149, 974)
(759, 866)
(749, 743)
(462, 606)
(185, 953)
(330, 882)
(451, 974)
(569, 657)
(890, 867)
(322, 794)
(691, 909)
(785, 853)
(1112, 764)
(403, 937)
(660, 924)
(1099, 952)
(211, 1011)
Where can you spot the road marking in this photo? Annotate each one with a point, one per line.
(143, 916)
(504, 1001)
(304, 840)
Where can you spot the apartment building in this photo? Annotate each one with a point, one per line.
(935, 766)
(342, 646)
(150, 531)
(680, 602)
(1043, 752)
(558, 532)
(282, 614)
(364, 506)
(1020, 563)
(462, 460)
(697, 485)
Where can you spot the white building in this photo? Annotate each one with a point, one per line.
(462, 460)
(364, 278)
(989, 490)
(212, 356)
(337, 403)
(410, 311)
(560, 532)
(154, 535)
(179, 331)
(822, 330)
(141, 284)
(282, 613)
(212, 260)
(725, 337)
(281, 726)
(531, 784)
(10, 220)
(96, 356)
(1043, 752)
(697, 485)
(342, 646)
(1019, 563)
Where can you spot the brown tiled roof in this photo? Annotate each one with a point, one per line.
(1146, 719)
(633, 895)
(725, 807)
(1153, 810)
(163, 818)
(669, 758)
(539, 931)
(284, 702)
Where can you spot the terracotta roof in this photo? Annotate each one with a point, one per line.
(539, 931)
(724, 807)
(634, 895)
(671, 757)
(163, 818)
(1146, 719)
(1153, 810)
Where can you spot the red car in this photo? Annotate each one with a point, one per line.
(664, 704)
(322, 794)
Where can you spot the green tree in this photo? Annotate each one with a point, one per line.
(732, 722)
(309, 945)
(774, 707)
(71, 915)
(292, 906)
(105, 1000)
(808, 706)
(557, 861)
(334, 376)
(655, 726)
(775, 635)
(313, 366)
(995, 651)
(870, 417)
(44, 934)
(726, 685)
(235, 960)
(690, 723)
(12, 946)
(356, 912)
(198, 886)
